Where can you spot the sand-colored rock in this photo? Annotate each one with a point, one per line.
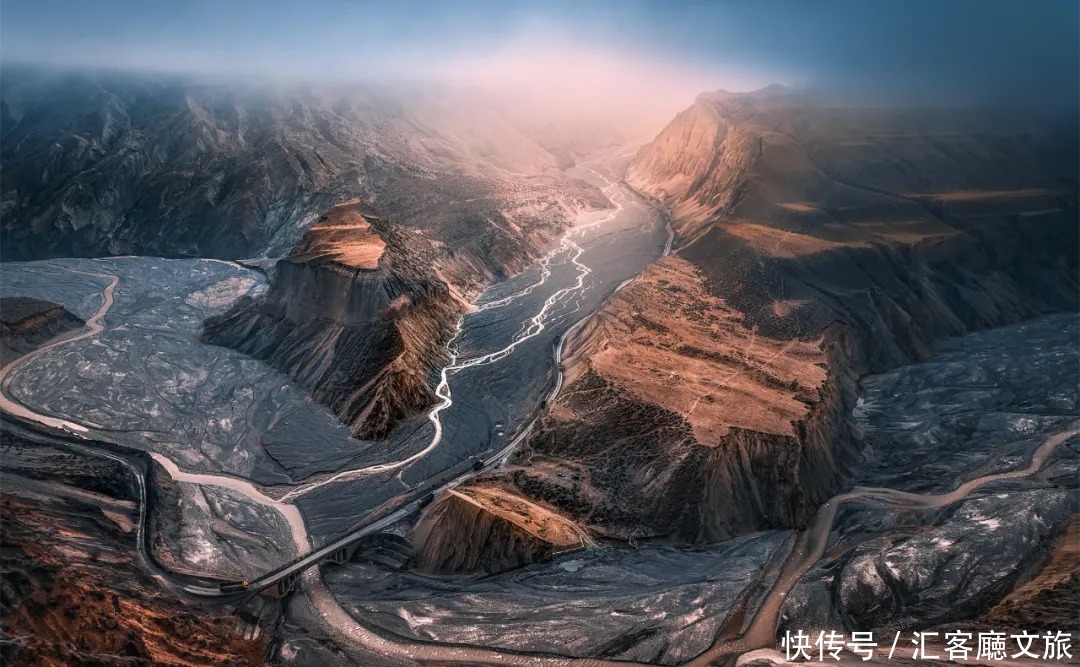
(668, 342)
(814, 244)
(344, 236)
(74, 593)
(510, 530)
(360, 312)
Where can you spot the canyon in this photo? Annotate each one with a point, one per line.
(794, 364)
(245, 173)
(712, 396)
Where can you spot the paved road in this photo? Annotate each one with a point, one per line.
(809, 547)
(811, 543)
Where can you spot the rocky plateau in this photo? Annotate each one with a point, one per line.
(713, 396)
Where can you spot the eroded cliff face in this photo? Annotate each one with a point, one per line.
(26, 324)
(485, 527)
(458, 189)
(114, 164)
(712, 397)
(360, 328)
(794, 162)
(360, 313)
(677, 419)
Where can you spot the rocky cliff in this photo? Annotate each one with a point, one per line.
(676, 419)
(485, 527)
(25, 324)
(112, 163)
(456, 191)
(815, 243)
(361, 311)
(362, 330)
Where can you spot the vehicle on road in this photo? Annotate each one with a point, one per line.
(233, 586)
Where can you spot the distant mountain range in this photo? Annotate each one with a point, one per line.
(107, 164)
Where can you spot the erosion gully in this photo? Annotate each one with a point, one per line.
(538, 309)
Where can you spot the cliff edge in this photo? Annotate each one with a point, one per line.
(815, 243)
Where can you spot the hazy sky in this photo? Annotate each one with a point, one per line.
(948, 49)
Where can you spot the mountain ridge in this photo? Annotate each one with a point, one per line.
(869, 233)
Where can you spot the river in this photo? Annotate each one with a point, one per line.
(976, 443)
(503, 354)
(231, 429)
(229, 426)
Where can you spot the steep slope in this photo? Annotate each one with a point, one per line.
(455, 192)
(25, 324)
(676, 419)
(74, 592)
(712, 396)
(512, 531)
(1049, 599)
(352, 318)
(361, 311)
(104, 164)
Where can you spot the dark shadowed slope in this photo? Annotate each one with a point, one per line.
(107, 164)
(711, 397)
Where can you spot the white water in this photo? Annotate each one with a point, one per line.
(337, 619)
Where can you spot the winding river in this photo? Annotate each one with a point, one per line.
(511, 332)
(505, 359)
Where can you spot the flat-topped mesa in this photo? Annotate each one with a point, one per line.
(712, 397)
(360, 312)
(338, 272)
(815, 243)
(676, 419)
(352, 319)
(26, 324)
(342, 235)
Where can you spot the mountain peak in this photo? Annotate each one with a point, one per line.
(770, 91)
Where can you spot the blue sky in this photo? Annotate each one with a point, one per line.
(986, 49)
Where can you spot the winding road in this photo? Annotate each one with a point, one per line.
(809, 545)
(304, 556)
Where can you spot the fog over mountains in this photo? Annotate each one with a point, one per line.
(613, 333)
(94, 163)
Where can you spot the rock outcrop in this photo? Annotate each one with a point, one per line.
(954, 426)
(112, 163)
(362, 329)
(677, 419)
(361, 311)
(73, 589)
(815, 244)
(457, 191)
(509, 530)
(25, 324)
